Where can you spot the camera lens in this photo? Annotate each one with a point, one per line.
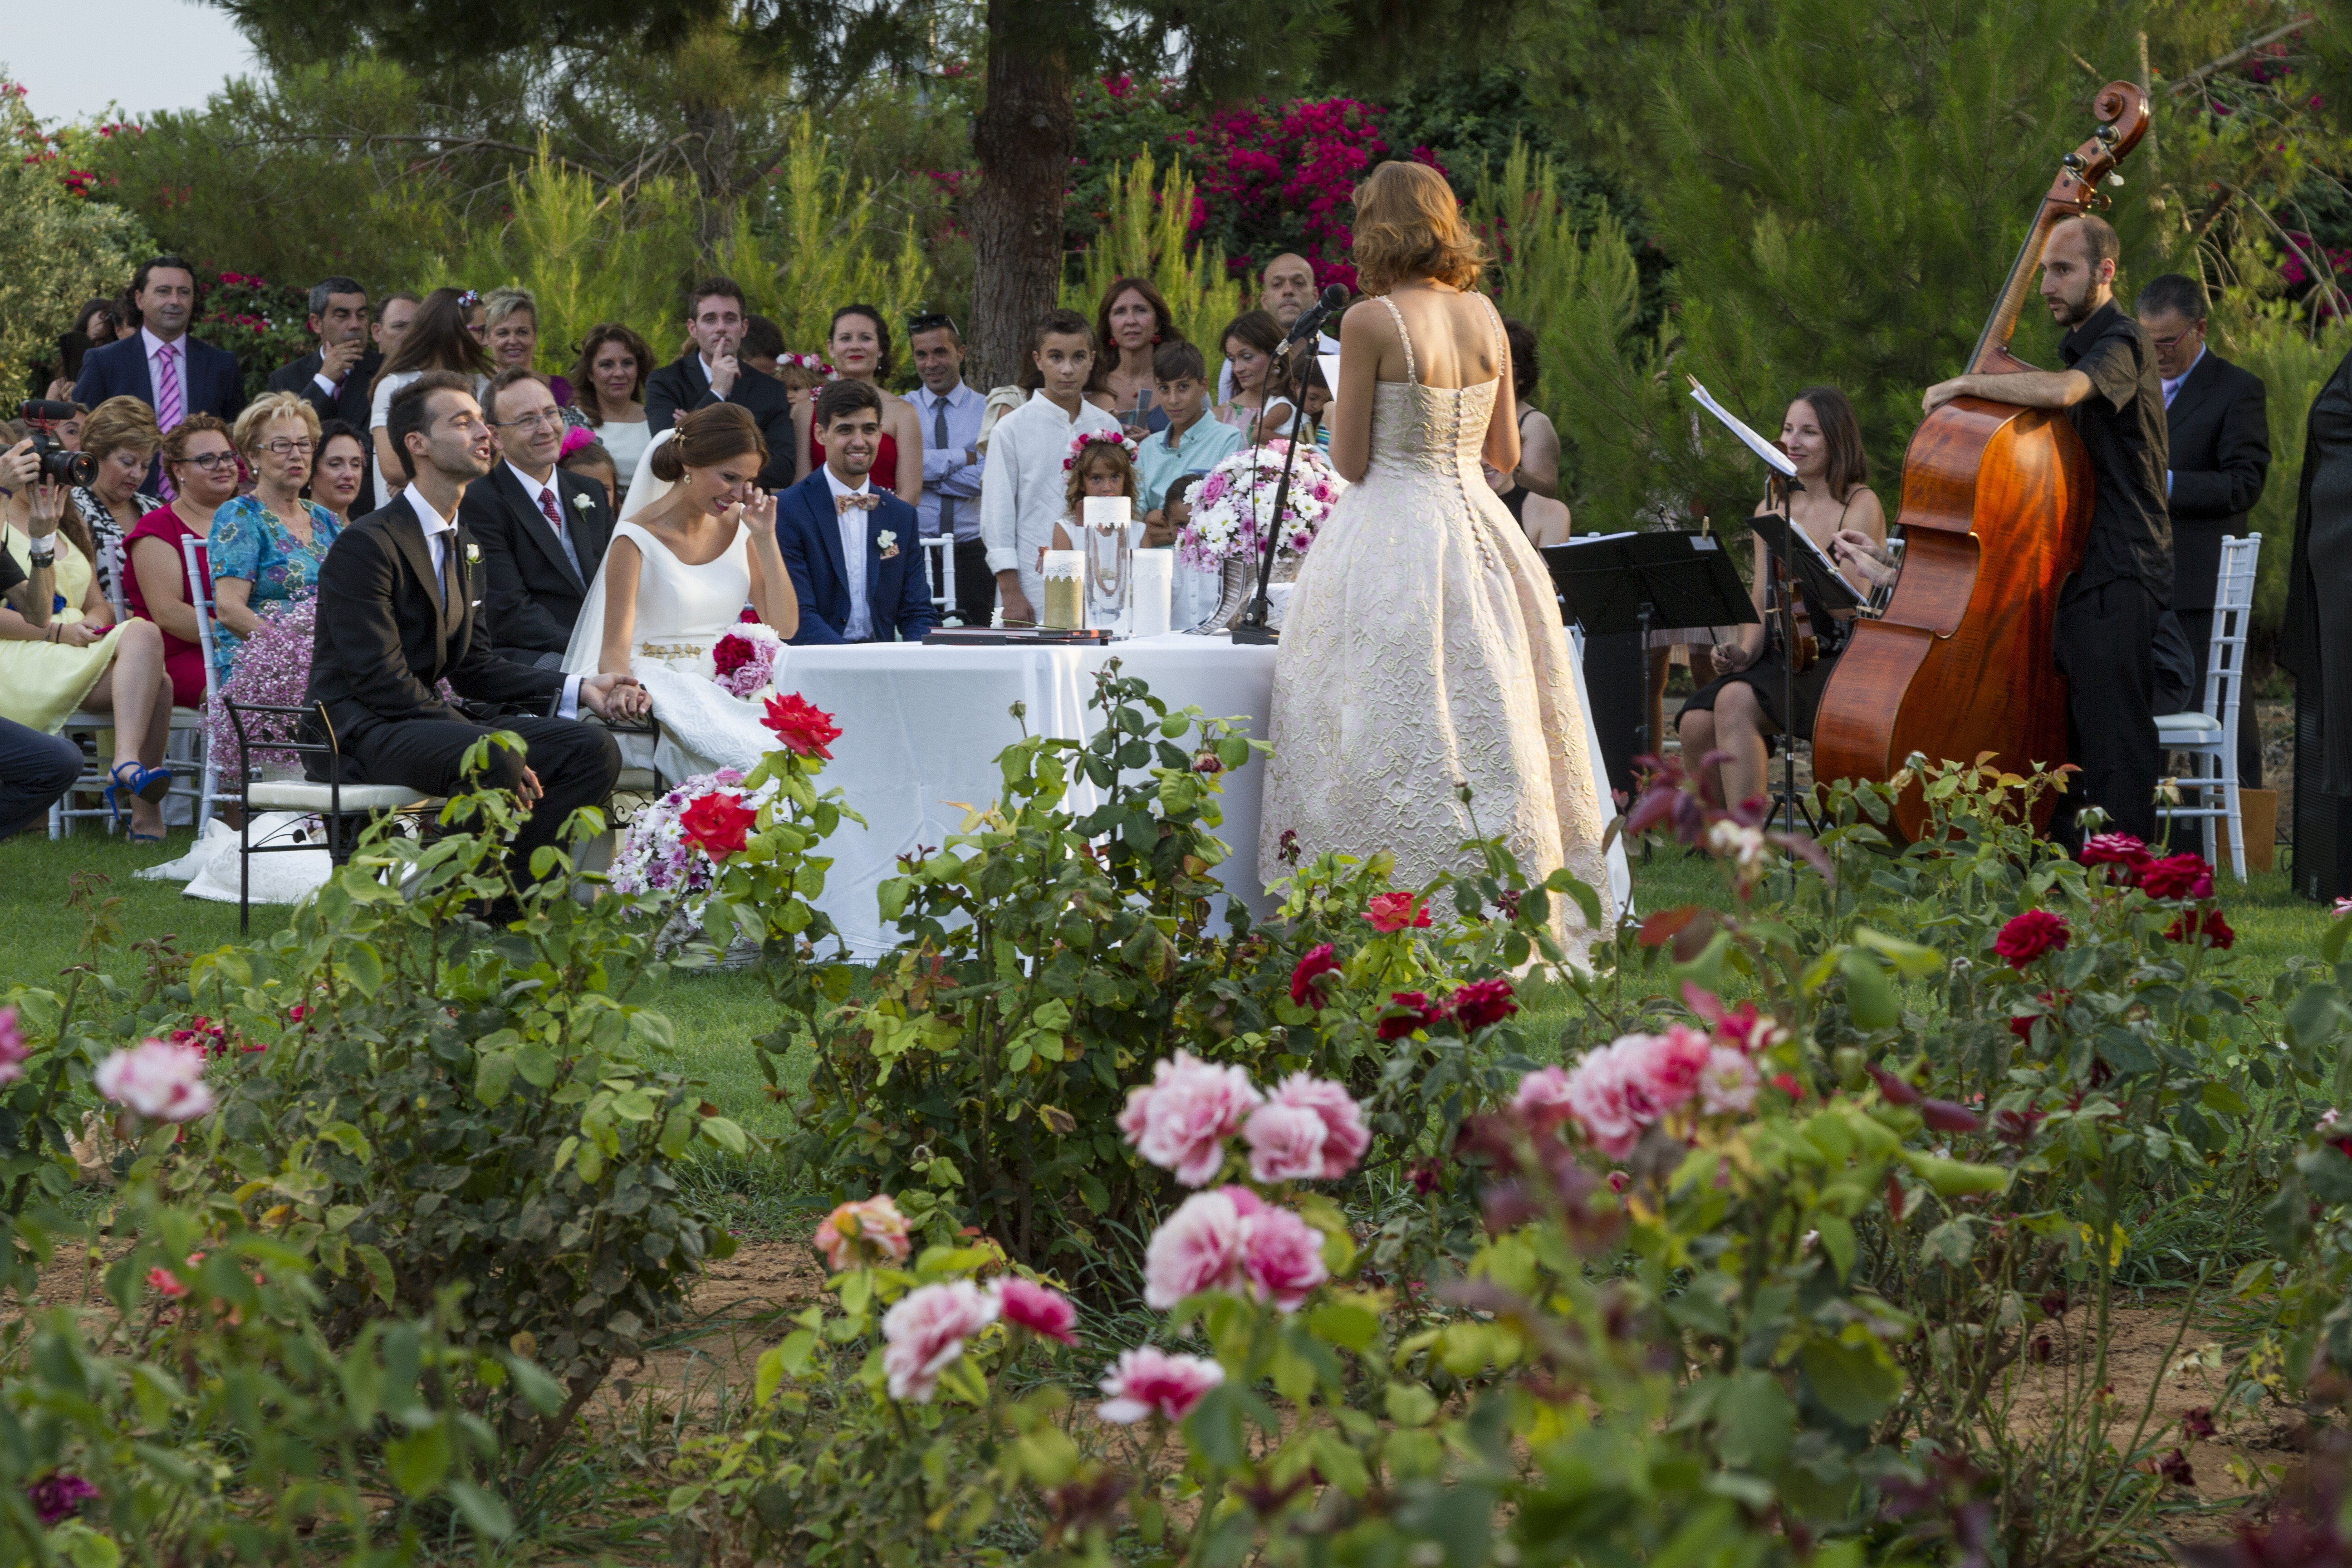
(70, 467)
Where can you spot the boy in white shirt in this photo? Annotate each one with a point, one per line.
(1022, 489)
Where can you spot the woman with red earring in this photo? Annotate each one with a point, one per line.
(1133, 320)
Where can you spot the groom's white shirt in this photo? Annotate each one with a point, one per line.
(438, 531)
(860, 624)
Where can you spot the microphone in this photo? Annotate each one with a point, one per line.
(1334, 296)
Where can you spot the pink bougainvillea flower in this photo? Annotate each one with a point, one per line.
(869, 1230)
(1040, 1309)
(1147, 1382)
(1396, 911)
(1319, 960)
(2028, 936)
(1180, 1120)
(161, 1082)
(1198, 1247)
(926, 1331)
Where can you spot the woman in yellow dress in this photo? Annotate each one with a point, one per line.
(62, 650)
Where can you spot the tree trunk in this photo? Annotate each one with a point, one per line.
(1022, 141)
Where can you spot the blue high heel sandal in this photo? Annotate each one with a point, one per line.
(150, 784)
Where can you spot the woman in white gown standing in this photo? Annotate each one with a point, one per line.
(1424, 648)
(686, 557)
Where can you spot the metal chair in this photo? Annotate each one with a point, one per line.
(2209, 734)
(344, 809)
(189, 733)
(940, 548)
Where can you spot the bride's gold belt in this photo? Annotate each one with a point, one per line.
(672, 652)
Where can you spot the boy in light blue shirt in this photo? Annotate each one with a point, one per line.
(1193, 444)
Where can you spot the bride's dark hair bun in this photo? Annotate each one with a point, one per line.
(708, 437)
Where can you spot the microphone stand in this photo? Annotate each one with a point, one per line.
(1251, 629)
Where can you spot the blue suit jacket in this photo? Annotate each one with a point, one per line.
(898, 590)
(210, 382)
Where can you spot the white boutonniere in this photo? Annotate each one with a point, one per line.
(889, 540)
(473, 554)
(582, 502)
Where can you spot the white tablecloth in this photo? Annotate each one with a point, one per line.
(921, 728)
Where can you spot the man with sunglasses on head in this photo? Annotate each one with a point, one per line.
(949, 413)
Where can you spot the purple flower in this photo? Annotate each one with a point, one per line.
(59, 1496)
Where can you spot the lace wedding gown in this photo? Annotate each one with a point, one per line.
(1423, 648)
(683, 610)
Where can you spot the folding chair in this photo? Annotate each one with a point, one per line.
(345, 809)
(940, 548)
(2207, 735)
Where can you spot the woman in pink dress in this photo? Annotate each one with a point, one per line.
(203, 465)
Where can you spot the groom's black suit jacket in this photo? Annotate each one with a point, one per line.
(530, 593)
(388, 633)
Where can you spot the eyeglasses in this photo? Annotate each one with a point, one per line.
(932, 323)
(2166, 346)
(208, 461)
(541, 420)
(285, 449)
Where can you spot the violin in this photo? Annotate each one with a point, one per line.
(1996, 510)
(1800, 646)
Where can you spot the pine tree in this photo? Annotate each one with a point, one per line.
(1147, 236)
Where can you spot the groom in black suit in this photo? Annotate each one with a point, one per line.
(397, 601)
(712, 372)
(542, 530)
(2217, 416)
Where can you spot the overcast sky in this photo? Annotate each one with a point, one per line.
(143, 54)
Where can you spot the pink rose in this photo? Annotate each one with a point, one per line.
(1671, 1064)
(1601, 1105)
(161, 1082)
(12, 1049)
(1727, 1086)
(1148, 1382)
(1286, 1144)
(926, 1330)
(1345, 1136)
(1180, 1120)
(1282, 1257)
(1026, 1304)
(1543, 1099)
(866, 1231)
(1199, 1248)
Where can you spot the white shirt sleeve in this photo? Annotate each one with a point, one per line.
(570, 707)
(999, 485)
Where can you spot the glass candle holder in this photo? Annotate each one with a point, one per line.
(1109, 548)
(1066, 591)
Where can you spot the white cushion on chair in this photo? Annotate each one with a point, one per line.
(2187, 726)
(300, 794)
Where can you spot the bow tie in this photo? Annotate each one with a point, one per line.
(854, 500)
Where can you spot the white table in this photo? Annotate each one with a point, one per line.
(921, 728)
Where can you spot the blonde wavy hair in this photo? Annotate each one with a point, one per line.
(117, 424)
(1409, 226)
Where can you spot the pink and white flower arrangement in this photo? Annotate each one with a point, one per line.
(1086, 439)
(1180, 1120)
(1234, 506)
(1147, 1382)
(925, 1332)
(1040, 1309)
(656, 854)
(744, 660)
(160, 1080)
(869, 1230)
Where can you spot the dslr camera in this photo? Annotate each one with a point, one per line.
(64, 467)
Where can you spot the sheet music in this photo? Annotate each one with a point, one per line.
(1828, 564)
(1779, 459)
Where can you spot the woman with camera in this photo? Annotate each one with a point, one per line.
(61, 648)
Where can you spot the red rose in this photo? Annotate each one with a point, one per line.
(2182, 876)
(2213, 927)
(1395, 911)
(1482, 1002)
(1418, 1014)
(732, 653)
(2029, 935)
(2115, 849)
(1319, 960)
(804, 731)
(718, 824)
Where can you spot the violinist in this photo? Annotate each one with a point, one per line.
(1734, 713)
(2112, 392)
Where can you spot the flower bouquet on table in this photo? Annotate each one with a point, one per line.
(744, 660)
(1234, 507)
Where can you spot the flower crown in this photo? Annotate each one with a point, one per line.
(812, 363)
(1107, 437)
(468, 300)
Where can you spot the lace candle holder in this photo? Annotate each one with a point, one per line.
(1108, 543)
(1155, 590)
(1066, 590)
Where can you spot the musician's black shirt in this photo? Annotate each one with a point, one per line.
(2122, 423)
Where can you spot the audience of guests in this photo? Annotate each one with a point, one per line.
(393, 317)
(859, 347)
(121, 436)
(1131, 323)
(542, 531)
(440, 337)
(710, 371)
(849, 544)
(1021, 498)
(268, 547)
(173, 373)
(610, 391)
(1259, 406)
(202, 461)
(948, 413)
(62, 649)
(337, 377)
(339, 474)
(511, 324)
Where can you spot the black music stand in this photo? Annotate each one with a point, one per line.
(1632, 582)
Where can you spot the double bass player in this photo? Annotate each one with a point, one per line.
(2112, 393)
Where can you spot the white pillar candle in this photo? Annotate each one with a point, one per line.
(1155, 589)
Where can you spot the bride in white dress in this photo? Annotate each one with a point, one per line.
(692, 549)
(1424, 647)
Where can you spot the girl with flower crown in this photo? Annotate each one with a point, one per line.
(1101, 463)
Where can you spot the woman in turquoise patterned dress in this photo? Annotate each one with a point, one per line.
(267, 546)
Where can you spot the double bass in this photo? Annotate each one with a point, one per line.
(1996, 511)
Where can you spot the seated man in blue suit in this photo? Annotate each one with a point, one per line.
(853, 549)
